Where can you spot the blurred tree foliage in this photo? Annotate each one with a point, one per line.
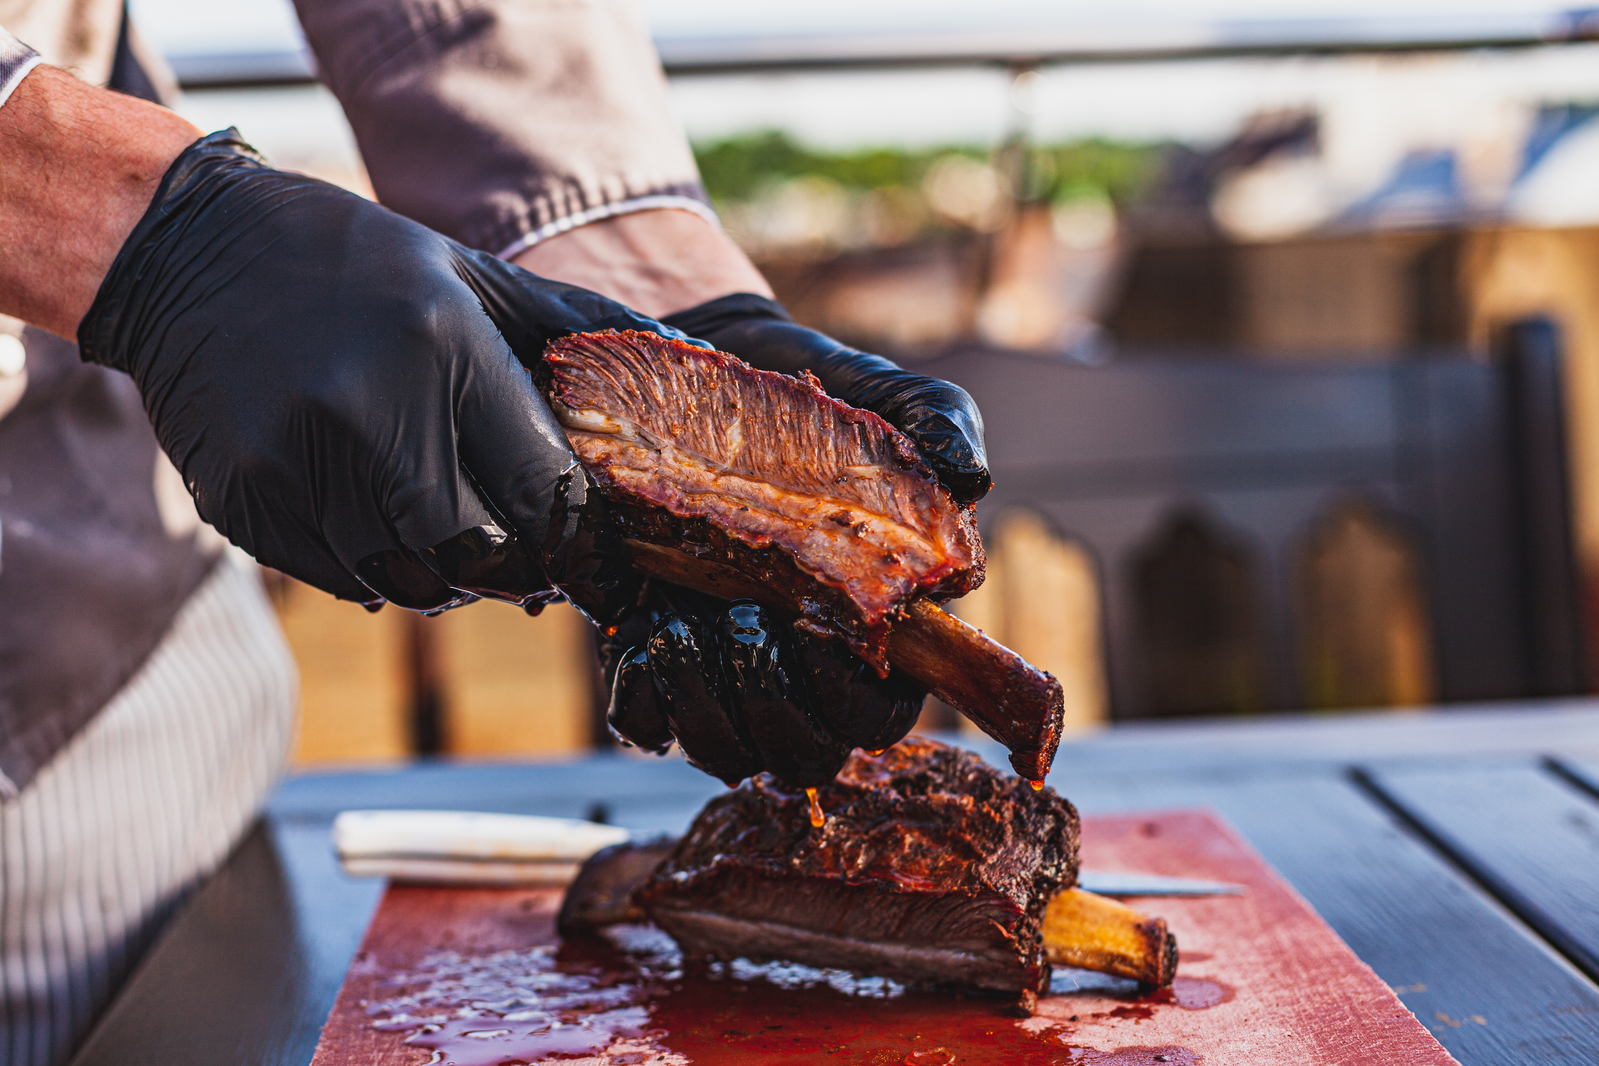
(736, 169)
(1092, 167)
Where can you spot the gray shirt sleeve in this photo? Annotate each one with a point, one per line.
(16, 59)
(502, 122)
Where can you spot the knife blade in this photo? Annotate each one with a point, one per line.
(1107, 883)
(462, 847)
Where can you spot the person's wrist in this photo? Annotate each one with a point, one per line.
(78, 168)
(655, 262)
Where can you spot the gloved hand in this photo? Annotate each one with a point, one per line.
(340, 388)
(741, 692)
(940, 417)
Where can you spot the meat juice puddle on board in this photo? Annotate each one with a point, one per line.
(637, 1007)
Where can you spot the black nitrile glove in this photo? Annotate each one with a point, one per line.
(940, 417)
(340, 388)
(741, 692)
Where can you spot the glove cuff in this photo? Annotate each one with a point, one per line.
(104, 335)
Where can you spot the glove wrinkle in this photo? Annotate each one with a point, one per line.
(636, 715)
(770, 698)
(404, 580)
(861, 708)
(687, 673)
(489, 563)
(582, 556)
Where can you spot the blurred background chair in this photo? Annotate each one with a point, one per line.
(1271, 537)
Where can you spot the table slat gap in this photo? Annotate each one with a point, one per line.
(1572, 774)
(1536, 918)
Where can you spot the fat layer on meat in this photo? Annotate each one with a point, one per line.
(706, 453)
(932, 867)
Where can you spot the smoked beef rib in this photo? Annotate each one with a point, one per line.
(741, 482)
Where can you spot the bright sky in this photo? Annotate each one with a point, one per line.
(188, 26)
(1194, 101)
(1119, 19)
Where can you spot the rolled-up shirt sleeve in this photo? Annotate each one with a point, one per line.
(503, 122)
(16, 60)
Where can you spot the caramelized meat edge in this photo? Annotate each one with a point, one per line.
(699, 448)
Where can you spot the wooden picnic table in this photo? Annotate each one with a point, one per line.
(1456, 851)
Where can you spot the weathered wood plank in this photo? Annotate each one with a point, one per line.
(567, 787)
(553, 787)
(1523, 832)
(1565, 727)
(1584, 773)
(1452, 952)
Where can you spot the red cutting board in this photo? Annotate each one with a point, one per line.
(478, 975)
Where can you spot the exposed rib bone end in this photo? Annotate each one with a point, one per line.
(1091, 932)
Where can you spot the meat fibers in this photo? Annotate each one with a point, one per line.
(767, 473)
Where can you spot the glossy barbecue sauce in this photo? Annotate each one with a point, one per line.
(635, 1002)
(818, 819)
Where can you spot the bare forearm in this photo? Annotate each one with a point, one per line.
(78, 167)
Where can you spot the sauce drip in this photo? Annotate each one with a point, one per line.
(1038, 786)
(818, 819)
(1193, 993)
